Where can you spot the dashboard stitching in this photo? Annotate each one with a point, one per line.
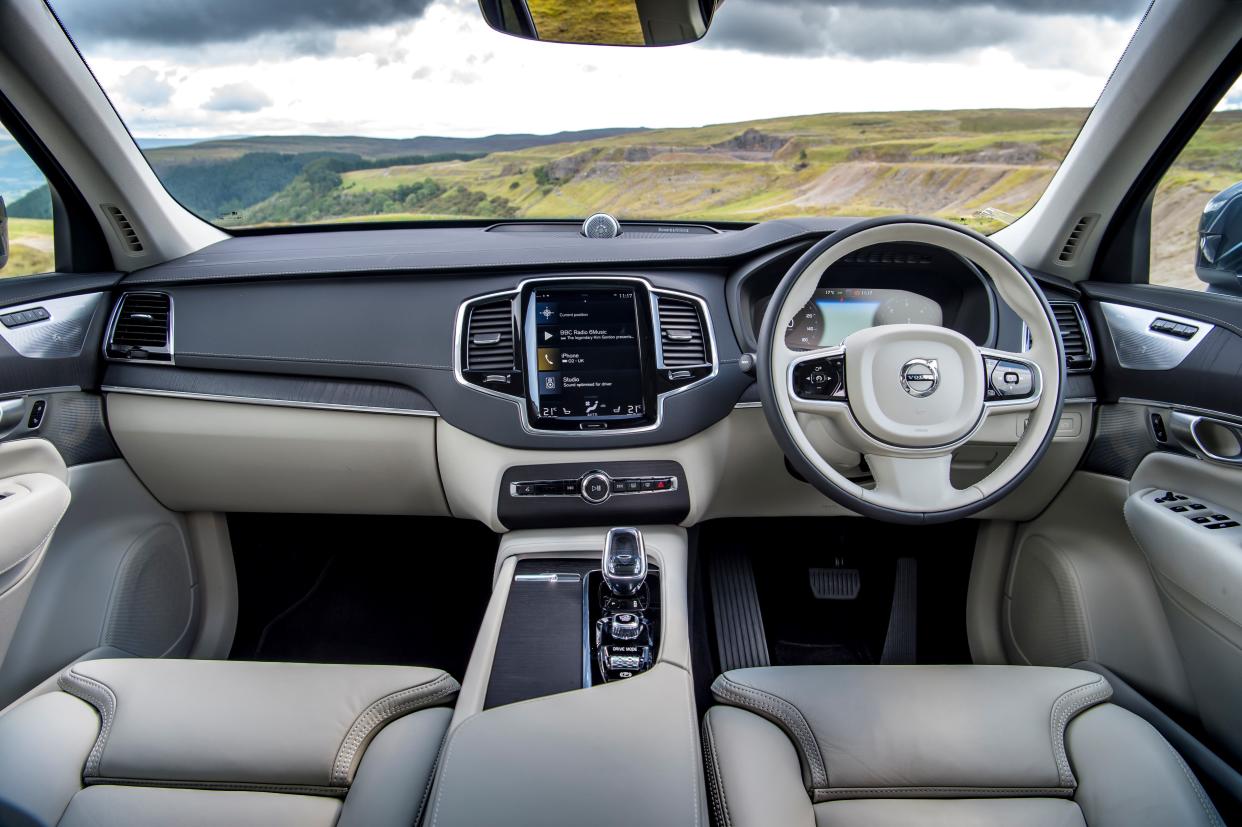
(315, 360)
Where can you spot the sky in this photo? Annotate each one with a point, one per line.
(401, 68)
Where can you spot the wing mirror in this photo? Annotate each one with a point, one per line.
(4, 234)
(602, 22)
(1218, 258)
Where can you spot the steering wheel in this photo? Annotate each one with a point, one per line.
(906, 396)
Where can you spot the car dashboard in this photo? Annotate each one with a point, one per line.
(485, 373)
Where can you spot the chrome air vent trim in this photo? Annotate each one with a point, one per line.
(1086, 348)
(166, 350)
(679, 329)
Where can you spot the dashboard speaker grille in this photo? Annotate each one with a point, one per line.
(142, 328)
(681, 333)
(1074, 339)
(489, 336)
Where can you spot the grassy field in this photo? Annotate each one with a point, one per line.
(30, 247)
(613, 22)
(949, 164)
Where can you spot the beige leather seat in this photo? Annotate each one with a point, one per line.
(164, 742)
(938, 745)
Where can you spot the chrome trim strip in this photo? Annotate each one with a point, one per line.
(110, 329)
(40, 391)
(276, 403)
(741, 405)
(520, 401)
(548, 577)
(1232, 418)
(1140, 348)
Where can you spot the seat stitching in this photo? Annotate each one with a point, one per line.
(715, 779)
(786, 714)
(695, 768)
(380, 713)
(448, 757)
(431, 777)
(837, 793)
(1066, 706)
(1206, 803)
(99, 695)
(226, 786)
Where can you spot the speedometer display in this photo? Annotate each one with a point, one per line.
(836, 312)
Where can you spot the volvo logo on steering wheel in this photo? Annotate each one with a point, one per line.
(920, 377)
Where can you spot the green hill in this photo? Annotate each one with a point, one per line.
(950, 164)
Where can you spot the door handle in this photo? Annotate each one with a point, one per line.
(1207, 438)
(11, 411)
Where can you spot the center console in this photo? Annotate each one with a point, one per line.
(574, 623)
(581, 666)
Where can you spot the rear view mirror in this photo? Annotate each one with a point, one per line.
(602, 22)
(4, 234)
(1218, 259)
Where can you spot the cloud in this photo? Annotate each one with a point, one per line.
(886, 29)
(237, 97)
(195, 22)
(421, 73)
(146, 87)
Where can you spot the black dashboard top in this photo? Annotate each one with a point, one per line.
(462, 249)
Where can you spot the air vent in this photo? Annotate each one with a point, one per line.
(1074, 336)
(1076, 238)
(125, 228)
(489, 337)
(142, 328)
(681, 333)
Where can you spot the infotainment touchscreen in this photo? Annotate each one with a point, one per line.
(585, 349)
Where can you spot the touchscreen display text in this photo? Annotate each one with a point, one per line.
(586, 354)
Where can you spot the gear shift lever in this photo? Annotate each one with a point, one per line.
(624, 565)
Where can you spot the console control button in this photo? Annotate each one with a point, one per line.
(596, 487)
(625, 626)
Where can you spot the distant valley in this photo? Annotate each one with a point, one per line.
(978, 167)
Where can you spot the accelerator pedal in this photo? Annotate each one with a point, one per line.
(740, 638)
(835, 584)
(901, 642)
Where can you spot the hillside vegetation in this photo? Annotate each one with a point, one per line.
(949, 164)
(977, 167)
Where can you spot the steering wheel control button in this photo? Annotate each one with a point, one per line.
(596, 487)
(820, 379)
(1008, 380)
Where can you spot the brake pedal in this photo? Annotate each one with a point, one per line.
(835, 584)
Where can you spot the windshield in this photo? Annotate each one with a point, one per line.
(311, 111)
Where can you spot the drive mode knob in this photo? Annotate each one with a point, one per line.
(596, 487)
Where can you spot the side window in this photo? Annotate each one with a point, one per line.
(1196, 219)
(28, 240)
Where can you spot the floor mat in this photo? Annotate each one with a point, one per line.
(802, 629)
(343, 589)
